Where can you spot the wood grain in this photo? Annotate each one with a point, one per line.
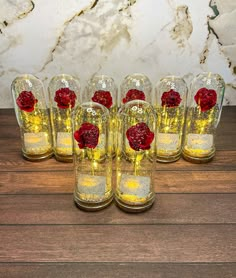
(228, 115)
(13, 161)
(168, 209)
(10, 132)
(10, 145)
(195, 181)
(135, 243)
(189, 232)
(117, 270)
(7, 117)
(36, 182)
(164, 182)
(226, 141)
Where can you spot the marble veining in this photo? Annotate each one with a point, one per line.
(223, 26)
(19, 9)
(183, 27)
(82, 38)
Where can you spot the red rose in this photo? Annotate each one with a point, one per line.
(134, 94)
(171, 99)
(65, 98)
(205, 98)
(87, 136)
(26, 101)
(140, 137)
(103, 97)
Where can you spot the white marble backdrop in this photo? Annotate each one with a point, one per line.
(86, 37)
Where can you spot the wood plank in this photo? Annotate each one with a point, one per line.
(226, 141)
(7, 117)
(10, 132)
(134, 243)
(167, 209)
(117, 270)
(13, 161)
(10, 144)
(164, 182)
(195, 182)
(228, 114)
(163, 234)
(36, 182)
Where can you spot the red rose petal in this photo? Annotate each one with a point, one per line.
(206, 99)
(140, 137)
(26, 101)
(134, 94)
(103, 97)
(65, 98)
(87, 136)
(171, 99)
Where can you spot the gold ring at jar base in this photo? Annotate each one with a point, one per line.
(63, 158)
(168, 159)
(198, 160)
(134, 208)
(38, 157)
(92, 206)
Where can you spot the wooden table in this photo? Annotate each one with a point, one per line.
(189, 232)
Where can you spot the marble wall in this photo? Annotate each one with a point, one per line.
(85, 37)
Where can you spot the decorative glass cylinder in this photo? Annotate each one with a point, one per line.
(135, 86)
(93, 165)
(170, 106)
(32, 116)
(203, 115)
(135, 155)
(63, 95)
(102, 89)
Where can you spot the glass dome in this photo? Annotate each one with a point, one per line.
(170, 105)
(102, 89)
(64, 96)
(203, 115)
(92, 162)
(32, 116)
(135, 156)
(135, 86)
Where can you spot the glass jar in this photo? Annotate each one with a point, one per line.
(92, 164)
(135, 86)
(33, 117)
(64, 95)
(102, 89)
(170, 105)
(203, 116)
(135, 156)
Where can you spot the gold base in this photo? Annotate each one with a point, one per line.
(134, 208)
(92, 206)
(198, 160)
(39, 157)
(62, 158)
(168, 159)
